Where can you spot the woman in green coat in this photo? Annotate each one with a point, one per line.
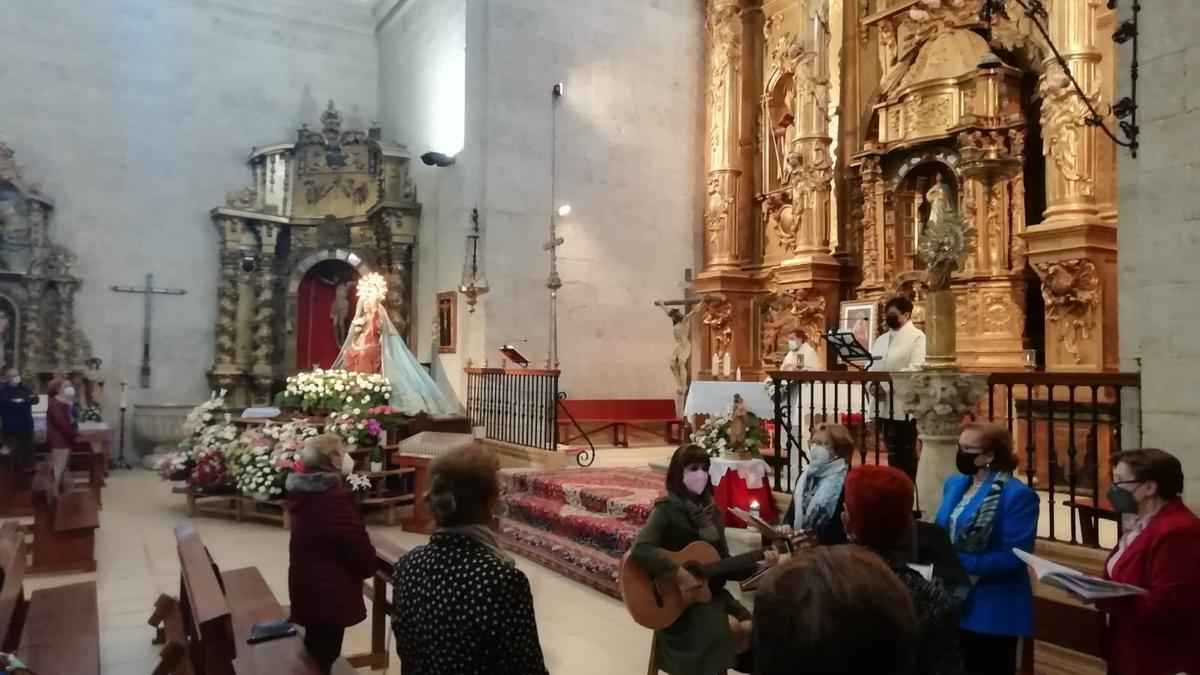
(708, 638)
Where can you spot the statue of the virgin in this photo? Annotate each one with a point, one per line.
(375, 346)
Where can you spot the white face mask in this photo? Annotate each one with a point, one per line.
(793, 345)
(347, 464)
(68, 392)
(14, 381)
(818, 453)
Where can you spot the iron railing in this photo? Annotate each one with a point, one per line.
(517, 406)
(1065, 426)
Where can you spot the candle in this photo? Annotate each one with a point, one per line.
(728, 363)
(716, 365)
(754, 510)
(124, 401)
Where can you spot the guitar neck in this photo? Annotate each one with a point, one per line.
(725, 566)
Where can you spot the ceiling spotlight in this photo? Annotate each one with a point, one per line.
(564, 210)
(437, 159)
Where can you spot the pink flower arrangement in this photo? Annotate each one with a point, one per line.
(211, 471)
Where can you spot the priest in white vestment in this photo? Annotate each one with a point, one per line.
(800, 354)
(900, 349)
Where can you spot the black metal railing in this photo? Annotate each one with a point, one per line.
(1065, 426)
(517, 406)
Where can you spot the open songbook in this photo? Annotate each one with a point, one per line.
(1087, 587)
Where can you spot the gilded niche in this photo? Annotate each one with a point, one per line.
(783, 312)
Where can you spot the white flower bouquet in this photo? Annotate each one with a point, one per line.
(336, 390)
(713, 436)
(770, 387)
(204, 415)
(358, 483)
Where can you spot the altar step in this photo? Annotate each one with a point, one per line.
(578, 522)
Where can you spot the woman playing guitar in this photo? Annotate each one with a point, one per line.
(709, 637)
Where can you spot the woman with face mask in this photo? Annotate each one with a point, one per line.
(1158, 632)
(330, 552)
(988, 512)
(62, 433)
(820, 493)
(709, 637)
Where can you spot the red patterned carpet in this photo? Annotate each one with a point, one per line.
(579, 522)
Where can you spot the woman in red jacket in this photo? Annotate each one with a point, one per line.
(1158, 632)
(330, 551)
(61, 432)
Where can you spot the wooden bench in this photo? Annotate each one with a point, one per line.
(57, 630)
(64, 527)
(206, 630)
(387, 554)
(1089, 515)
(619, 415)
(1070, 626)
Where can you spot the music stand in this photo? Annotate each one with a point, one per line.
(849, 349)
(510, 352)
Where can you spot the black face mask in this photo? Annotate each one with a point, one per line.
(893, 322)
(1122, 500)
(965, 462)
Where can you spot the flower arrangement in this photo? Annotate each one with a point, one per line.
(335, 390)
(770, 386)
(204, 414)
(263, 476)
(91, 413)
(211, 473)
(713, 436)
(355, 429)
(358, 483)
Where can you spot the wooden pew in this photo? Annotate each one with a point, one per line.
(218, 610)
(64, 527)
(57, 630)
(387, 554)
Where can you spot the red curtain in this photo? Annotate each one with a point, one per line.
(315, 341)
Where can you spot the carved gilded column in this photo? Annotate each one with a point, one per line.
(872, 219)
(65, 326)
(32, 330)
(227, 303)
(1074, 249)
(724, 66)
(265, 313)
(814, 186)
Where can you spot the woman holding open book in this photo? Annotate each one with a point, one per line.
(1156, 632)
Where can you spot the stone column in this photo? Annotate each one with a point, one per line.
(226, 373)
(32, 335)
(63, 340)
(938, 401)
(724, 100)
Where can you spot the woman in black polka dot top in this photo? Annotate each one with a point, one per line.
(461, 605)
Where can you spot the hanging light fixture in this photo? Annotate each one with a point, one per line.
(474, 283)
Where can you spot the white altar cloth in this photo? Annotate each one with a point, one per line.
(716, 398)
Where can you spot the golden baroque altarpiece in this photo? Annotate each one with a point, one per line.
(38, 331)
(834, 129)
(331, 195)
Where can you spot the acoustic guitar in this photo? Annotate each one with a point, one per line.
(657, 604)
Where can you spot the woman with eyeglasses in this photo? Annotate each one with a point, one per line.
(988, 513)
(820, 492)
(1157, 632)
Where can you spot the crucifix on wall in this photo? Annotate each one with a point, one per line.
(149, 291)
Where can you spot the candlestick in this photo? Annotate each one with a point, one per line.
(124, 401)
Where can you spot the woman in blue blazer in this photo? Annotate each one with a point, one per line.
(988, 513)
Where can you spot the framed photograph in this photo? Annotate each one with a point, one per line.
(447, 321)
(860, 318)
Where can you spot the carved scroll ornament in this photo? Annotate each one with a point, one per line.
(1063, 118)
(940, 401)
(1071, 290)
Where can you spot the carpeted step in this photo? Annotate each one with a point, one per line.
(623, 493)
(573, 560)
(608, 534)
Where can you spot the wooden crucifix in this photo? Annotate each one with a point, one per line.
(681, 320)
(150, 291)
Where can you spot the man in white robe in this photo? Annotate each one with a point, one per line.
(800, 355)
(900, 349)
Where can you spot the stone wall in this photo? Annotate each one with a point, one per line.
(137, 116)
(629, 164)
(1159, 234)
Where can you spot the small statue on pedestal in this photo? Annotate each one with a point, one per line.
(93, 391)
(737, 425)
